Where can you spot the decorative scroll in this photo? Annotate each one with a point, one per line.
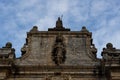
(59, 51)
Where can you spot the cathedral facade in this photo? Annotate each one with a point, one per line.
(59, 54)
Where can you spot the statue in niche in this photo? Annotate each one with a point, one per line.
(59, 52)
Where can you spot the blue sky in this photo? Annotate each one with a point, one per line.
(101, 17)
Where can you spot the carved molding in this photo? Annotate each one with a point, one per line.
(60, 77)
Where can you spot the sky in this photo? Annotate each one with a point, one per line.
(101, 17)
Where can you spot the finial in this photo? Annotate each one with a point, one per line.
(84, 29)
(34, 29)
(109, 45)
(8, 45)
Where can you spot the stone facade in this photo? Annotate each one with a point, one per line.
(59, 54)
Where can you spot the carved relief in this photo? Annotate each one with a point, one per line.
(59, 51)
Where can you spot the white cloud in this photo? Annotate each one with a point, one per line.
(108, 31)
(57, 7)
(18, 17)
(46, 22)
(99, 7)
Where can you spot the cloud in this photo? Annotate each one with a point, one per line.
(107, 31)
(101, 17)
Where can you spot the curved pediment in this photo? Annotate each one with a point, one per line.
(56, 47)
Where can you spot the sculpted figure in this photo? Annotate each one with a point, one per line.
(58, 53)
(59, 23)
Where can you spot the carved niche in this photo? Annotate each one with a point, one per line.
(59, 51)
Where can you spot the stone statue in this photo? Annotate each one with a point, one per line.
(58, 53)
(59, 23)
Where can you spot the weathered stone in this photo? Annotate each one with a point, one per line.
(59, 54)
